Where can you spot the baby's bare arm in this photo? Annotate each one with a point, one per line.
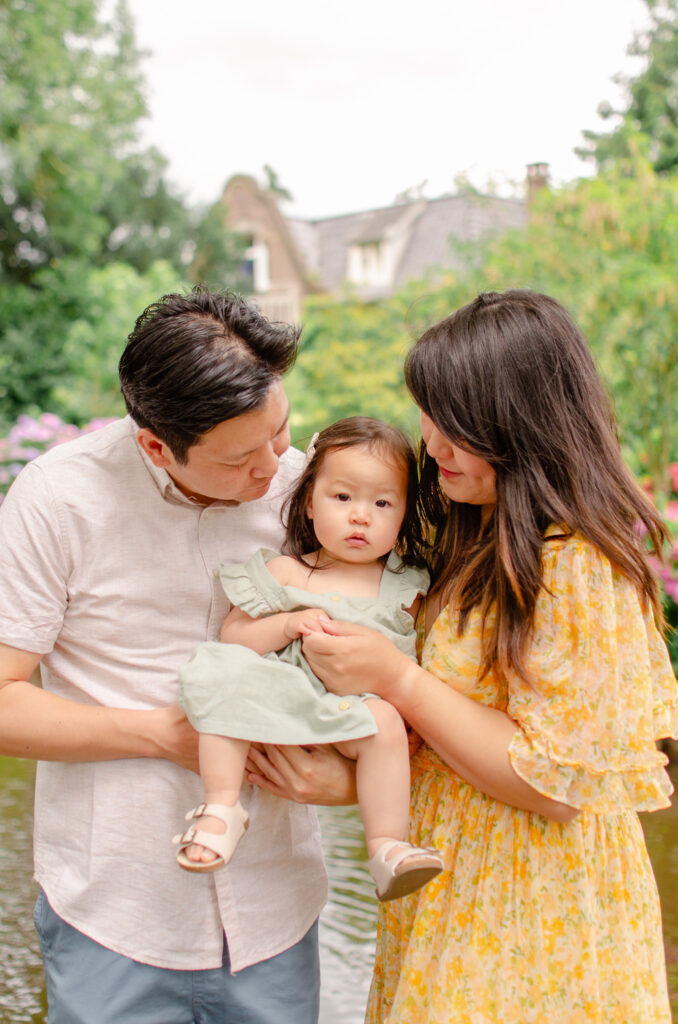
(272, 632)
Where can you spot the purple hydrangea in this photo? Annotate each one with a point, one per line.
(30, 437)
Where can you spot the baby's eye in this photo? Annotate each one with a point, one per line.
(382, 503)
(343, 497)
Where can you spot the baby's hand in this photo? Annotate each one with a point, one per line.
(304, 622)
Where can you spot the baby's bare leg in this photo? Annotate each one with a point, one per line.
(382, 776)
(222, 767)
(383, 783)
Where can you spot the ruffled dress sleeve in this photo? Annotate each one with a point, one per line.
(415, 583)
(601, 690)
(250, 585)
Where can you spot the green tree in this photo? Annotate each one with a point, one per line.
(76, 182)
(350, 363)
(648, 122)
(607, 248)
(273, 185)
(62, 337)
(86, 212)
(71, 99)
(108, 301)
(219, 253)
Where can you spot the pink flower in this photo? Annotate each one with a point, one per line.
(671, 512)
(29, 437)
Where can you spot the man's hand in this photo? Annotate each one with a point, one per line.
(307, 775)
(175, 737)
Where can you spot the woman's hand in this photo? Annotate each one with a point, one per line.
(307, 775)
(351, 659)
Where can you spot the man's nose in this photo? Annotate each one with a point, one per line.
(266, 463)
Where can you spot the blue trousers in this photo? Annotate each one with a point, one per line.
(89, 984)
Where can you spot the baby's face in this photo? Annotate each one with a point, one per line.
(358, 504)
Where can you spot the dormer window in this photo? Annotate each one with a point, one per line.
(367, 264)
(255, 266)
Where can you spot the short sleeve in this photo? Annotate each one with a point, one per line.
(601, 689)
(34, 565)
(415, 582)
(250, 586)
(400, 586)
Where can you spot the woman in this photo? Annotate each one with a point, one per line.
(543, 686)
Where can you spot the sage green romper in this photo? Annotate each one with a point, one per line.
(229, 690)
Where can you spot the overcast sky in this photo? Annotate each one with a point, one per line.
(354, 102)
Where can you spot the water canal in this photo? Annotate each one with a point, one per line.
(347, 925)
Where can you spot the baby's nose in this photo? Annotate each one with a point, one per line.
(360, 514)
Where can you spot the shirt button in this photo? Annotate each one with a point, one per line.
(335, 597)
(344, 706)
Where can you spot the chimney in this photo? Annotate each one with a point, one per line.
(537, 179)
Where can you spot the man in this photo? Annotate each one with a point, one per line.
(108, 552)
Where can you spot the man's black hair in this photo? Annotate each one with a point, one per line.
(193, 361)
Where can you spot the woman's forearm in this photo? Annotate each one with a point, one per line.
(472, 738)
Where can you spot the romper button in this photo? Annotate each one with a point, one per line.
(344, 706)
(335, 597)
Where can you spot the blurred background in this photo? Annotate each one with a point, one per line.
(363, 171)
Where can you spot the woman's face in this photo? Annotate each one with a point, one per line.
(463, 477)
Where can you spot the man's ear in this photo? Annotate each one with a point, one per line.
(158, 451)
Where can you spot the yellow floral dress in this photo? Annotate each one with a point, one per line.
(534, 922)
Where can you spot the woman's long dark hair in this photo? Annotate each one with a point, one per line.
(383, 440)
(510, 378)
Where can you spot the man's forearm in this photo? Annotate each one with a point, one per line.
(40, 725)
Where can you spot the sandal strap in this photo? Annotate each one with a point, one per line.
(383, 871)
(222, 844)
(220, 811)
(393, 862)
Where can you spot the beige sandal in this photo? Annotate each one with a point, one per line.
(222, 844)
(405, 872)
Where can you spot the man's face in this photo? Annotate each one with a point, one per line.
(236, 460)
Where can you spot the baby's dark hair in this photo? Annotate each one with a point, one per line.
(384, 441)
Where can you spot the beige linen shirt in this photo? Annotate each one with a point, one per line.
(108, 571)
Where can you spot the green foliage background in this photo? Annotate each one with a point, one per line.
(91, 231)
(607, 248)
